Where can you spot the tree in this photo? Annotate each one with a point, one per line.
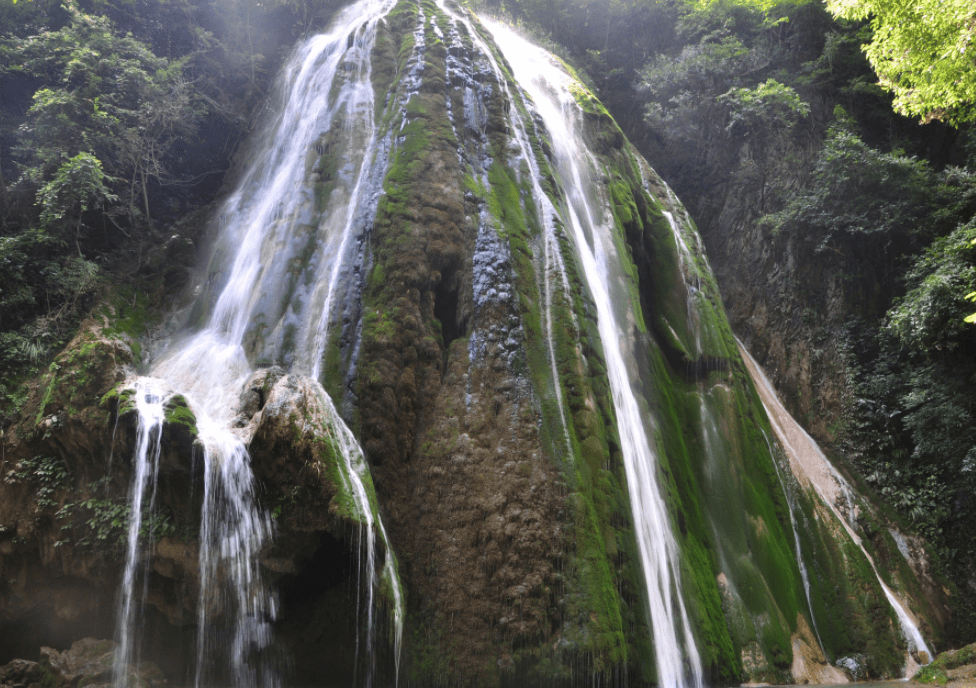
(765, 116)
(104, 97)
(924, 51)
(78, 185)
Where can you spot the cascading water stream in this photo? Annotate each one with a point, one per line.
(677, 657)
(149, 399)
(352, 477)
(233, 531)
(552, 263)
(274, 218)
(685, 259)
(791, 503)
(808, 461)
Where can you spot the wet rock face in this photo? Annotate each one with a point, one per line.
(447, 415)
(64, 495)
(317, 554)
(292, 452)
(787, 308)
(54, 592)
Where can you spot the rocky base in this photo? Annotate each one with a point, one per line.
(89, 663)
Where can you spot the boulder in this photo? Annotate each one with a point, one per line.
(89, 662)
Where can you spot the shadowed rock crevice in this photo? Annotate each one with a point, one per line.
(446, 309)
(321, 605)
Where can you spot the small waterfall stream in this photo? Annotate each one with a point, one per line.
(808, 461)
(791, 503)
(550, 87)
(149, 404)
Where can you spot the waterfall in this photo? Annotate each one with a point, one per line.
(791, 503)
(553, 267)
(551, 88)
(810, 465)
(234, 529)
(303, 199)
(149, 400)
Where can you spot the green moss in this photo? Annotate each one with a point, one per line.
(936, 673)
(128, 315)
(851, 611)
(334, 368)
(602, 569)
(933, 675)
(176, 411)
(52, 378)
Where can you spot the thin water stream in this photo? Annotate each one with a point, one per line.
(810, 465)
(149, 399)
(585, 213)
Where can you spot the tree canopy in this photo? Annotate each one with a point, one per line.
(924, 51)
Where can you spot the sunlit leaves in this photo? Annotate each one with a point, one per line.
(924, 51)
(78, 185)
(770, 104)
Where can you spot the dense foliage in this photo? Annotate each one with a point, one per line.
(117, 119)
(923, 51)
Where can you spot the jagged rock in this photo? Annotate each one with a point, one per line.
(855, 665)
(294, 451)
(88, 663)
(20, 673)
(809, 663)
(256, 390)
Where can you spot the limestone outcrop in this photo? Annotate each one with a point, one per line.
(88, 662)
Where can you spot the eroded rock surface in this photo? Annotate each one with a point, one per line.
(89, 663)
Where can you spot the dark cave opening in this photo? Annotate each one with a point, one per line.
(328, 567)
(81, 613)
(446, 309)
(320, 610)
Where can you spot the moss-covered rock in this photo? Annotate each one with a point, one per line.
(956, 667)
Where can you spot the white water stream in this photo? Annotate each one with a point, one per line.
(678, 662)
(810, 465)
(553, 268)
(148, 398)
(271, 221)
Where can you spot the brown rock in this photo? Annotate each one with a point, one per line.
(20, 673)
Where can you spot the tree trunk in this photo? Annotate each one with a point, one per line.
(145, 199)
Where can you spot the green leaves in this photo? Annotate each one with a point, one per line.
(101, 124)
(770, 104)
(857, 192)
(931, 315)
(79, 184)
(48, 475)
(924, 51)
